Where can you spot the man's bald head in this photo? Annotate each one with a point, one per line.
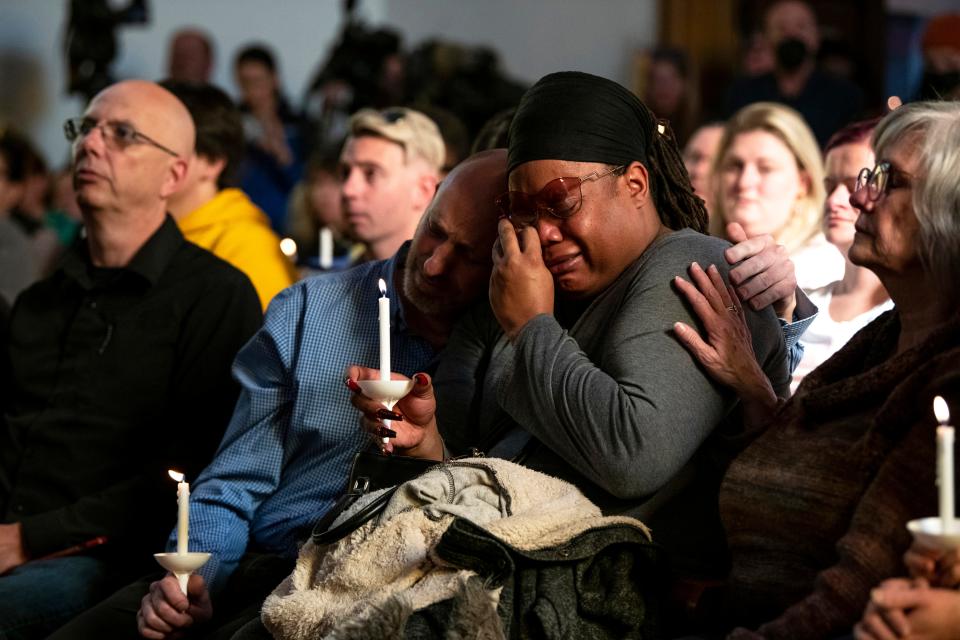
(161, 114)
(476, 182)
(449, 262)
(137, 172)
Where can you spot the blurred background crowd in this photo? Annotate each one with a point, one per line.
(298, 71)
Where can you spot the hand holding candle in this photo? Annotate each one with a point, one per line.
(181, 563)
(385, 389)
(945, 437)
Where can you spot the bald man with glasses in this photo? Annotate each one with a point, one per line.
(114, 369)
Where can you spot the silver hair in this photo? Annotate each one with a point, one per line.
(934, 127)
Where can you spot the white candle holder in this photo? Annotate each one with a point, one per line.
(182, 564)
(929, 533)
(388, 392)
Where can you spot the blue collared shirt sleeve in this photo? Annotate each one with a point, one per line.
(286, 454)
(803, 315)
(248, 464)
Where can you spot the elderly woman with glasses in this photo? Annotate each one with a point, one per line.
(853, 301)
(815, 508)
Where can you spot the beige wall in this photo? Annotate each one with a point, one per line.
(534, 37)
(32, 74)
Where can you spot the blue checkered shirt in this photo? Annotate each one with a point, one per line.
(803, 316)
(286, 454)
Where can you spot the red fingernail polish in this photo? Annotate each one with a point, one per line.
(386, 432)
(420, 378)
(352, 385)
(386, 414)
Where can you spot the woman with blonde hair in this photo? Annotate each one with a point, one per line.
(768, 177)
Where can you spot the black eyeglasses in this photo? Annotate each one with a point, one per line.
(560, 198)
(880, 180)
(118, 134)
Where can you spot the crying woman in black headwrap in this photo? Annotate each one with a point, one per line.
(572, 368)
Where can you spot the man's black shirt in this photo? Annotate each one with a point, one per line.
(111, 377)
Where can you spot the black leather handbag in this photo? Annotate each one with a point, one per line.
(371, 471)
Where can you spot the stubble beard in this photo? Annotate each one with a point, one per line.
(426, 304)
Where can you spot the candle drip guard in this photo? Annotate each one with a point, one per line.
(182, 564)
(389, 392)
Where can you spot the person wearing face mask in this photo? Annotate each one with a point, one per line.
(826, 102)
(849, 304)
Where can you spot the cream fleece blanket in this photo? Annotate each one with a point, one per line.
(367, 584)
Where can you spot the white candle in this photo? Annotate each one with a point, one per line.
(945, 437)
(384, 332)
(326, 248)
(183, 511)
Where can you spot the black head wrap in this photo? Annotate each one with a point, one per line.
(580, 117)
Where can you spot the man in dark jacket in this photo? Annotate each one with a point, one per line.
(115, 369)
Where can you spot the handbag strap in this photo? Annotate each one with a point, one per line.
(323, 531)
(364, 479)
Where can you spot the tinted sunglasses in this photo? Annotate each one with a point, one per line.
(560, 198)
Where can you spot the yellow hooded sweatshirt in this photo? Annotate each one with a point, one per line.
(232, 228)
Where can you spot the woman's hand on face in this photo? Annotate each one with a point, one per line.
(521, 286)
(414, 431)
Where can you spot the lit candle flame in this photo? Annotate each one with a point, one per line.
(894, 102)
(288, 247)
(940, 410)
(176, 475)
(383, 287)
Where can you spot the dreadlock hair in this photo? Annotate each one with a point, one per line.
(678, 206)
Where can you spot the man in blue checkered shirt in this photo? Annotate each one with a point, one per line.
(286, 455)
